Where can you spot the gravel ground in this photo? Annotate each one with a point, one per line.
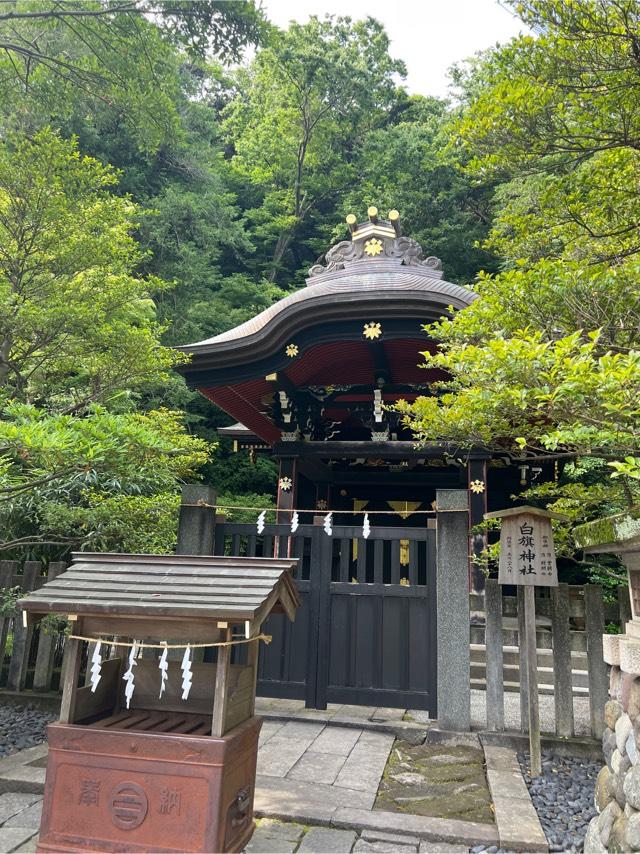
(563, 798)
(22, 726)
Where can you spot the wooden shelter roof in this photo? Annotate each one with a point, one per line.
(227, 588)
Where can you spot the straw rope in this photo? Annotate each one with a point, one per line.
(143, 645)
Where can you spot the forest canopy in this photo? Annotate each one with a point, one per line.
(169, 169)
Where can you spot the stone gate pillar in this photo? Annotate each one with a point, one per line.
(452, 585)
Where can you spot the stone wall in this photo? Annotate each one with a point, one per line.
(617, 795)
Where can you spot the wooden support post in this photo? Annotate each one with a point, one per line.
(477, 484)
(522, 663)
(624, 605)
(287, 492)
(494, 656)
(596, 666)
(562, 678)
(22, 635)
(70, 671)
(532, 679)
(252, 662)
(8, 568)
(221, 695)
(46, 643)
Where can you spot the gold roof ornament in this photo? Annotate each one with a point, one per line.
(376, 240)
(373, 247)
(372, 330)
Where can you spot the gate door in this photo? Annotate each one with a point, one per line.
(366, 631)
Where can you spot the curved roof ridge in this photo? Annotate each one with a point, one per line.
(365, 284)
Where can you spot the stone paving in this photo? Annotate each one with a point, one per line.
(19, 821)
(317, 784)
(287, 837)
(328, 766)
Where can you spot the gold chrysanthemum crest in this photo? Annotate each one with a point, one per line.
(373, 247)
(292, 350)
(372, 331)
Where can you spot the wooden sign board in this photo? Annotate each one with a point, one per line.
(527, 555)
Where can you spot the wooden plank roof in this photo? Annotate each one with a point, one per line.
(243, 588)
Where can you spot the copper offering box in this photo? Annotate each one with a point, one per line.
(167, 774)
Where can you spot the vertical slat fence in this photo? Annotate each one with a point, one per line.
(46, 644)
(598, 682)
(568, 615)
(562, 677)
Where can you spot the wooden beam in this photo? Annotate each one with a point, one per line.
(221, 694)
(70, 671)
(381, 367)
(353, 450)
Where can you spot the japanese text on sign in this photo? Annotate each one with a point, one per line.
(526, 551)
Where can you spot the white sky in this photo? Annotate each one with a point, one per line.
(429, 35)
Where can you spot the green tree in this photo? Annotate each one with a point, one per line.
(547, 360)
(408, 164)
(78, 325)
(557, 111)
(78, 341)
(64, 55)
(303, 108)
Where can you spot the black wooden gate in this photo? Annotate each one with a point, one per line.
(366, 631)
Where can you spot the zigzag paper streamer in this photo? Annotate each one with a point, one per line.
(260, 524)
(366, 527)
(187, 675)
(294, 522)
(163, 664)
(128, 676)
(328, 520)
(96, 666)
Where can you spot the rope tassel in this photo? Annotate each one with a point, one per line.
(96, 666)
(128, 676)
(163, 664)
(187, 675)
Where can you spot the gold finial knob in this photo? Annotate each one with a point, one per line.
(351, 222)
(394, 218)
(372, 213)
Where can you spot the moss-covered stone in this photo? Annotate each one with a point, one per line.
(436, 780)
(613, 530)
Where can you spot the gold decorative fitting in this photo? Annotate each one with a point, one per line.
(292, 350)
(285, 484)
(373, 247)
(393, 215)
(372, 330)
(477, 486)
(321, 504)
(404, 582)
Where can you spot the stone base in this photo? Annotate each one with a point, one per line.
(617, 794)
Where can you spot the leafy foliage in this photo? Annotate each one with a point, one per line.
(302, 109)
(56, 57)
(78, 338)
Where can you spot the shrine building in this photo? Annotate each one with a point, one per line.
(311, 379)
